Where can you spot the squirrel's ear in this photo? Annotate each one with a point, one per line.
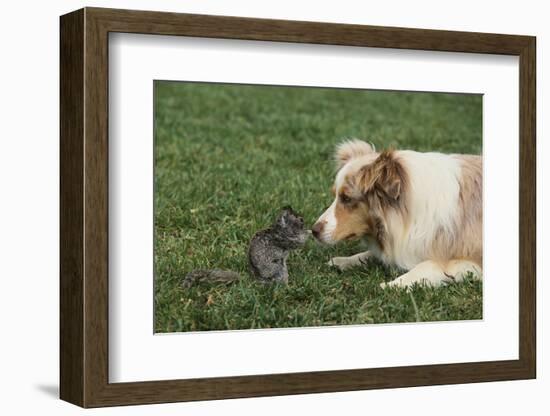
(349, 149)
(282, 219)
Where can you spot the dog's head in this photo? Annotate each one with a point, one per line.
(368, 186)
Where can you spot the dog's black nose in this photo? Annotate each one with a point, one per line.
(317, 229)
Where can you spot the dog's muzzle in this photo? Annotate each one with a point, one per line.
(317, 229)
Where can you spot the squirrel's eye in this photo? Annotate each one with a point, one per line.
(345, 199)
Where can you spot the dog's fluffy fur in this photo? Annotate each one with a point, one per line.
(419, 211)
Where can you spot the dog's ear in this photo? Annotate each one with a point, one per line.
(350, 149)
(385, 177)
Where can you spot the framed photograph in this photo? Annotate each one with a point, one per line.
(254, 207)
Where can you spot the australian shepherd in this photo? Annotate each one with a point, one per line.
(422, 212)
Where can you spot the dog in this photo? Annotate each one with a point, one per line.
(421, 212)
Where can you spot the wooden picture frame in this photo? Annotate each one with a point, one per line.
(84, 207)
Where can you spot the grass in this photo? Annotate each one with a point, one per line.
(228, 157)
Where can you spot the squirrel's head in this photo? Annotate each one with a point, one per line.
(291, 225)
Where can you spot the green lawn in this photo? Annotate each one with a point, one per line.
(228, 157)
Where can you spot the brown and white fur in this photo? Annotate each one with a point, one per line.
(419, 211)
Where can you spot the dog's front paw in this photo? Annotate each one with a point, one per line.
(341, 263)
(396, 283)
(392, 283)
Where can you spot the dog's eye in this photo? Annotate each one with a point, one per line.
(345, 199)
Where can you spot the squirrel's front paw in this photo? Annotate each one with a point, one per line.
(341, 263)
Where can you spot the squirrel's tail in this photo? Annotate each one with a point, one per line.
(210, 275)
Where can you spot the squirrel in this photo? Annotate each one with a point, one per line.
(267, 252)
